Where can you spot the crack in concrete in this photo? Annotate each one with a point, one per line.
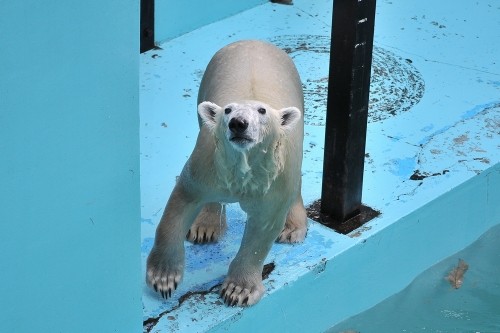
(410, 193)
(315, 17)
(420, 175)
(151, 322)
(438, 61)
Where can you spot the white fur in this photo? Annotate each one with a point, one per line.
(249, 150)
(240, 168)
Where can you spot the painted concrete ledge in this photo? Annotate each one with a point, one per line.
(352, 273)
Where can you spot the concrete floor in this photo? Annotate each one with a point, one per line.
(434, 125)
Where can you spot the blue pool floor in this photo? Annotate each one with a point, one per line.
(434, 125)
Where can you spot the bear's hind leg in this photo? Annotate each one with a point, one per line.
(296, 223)
(210, 224)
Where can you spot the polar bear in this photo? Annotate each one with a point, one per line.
(249, 150)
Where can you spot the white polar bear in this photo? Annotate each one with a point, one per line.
(249, 150)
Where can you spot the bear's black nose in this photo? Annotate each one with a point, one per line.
(237, 125)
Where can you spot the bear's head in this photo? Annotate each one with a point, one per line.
(245, 125)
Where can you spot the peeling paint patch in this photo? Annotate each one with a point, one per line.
(461, 139)
(463, 145)
(403, 167)
(417, 175)
(483, 160)
(320, 268)
(358, 232)
(147, 244)
(147, 221)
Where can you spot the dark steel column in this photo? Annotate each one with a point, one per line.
(347, 107)
(147, 33)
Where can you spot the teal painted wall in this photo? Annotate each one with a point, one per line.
(174, 18)
(69, 171)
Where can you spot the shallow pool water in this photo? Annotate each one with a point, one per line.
(431, 304)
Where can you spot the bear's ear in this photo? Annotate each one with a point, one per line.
(207, 112)
(289, 117)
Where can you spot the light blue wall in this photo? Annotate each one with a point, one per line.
(69, 166)
(174, 18)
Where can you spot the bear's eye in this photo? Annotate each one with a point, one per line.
(227, 110)
(262, 111)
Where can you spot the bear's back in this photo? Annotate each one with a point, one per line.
(252, 70)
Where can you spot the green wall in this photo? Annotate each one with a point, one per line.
(69, 168)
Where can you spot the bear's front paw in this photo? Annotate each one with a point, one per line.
(237, 293)
(163, 275)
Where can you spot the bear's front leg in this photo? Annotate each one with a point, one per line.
(243, 284)
(165, 264)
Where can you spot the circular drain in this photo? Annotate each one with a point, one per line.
(396, 85)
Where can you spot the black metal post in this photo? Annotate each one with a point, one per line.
(147, 33)
(347, 107)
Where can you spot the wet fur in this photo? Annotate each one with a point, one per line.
(265, 177)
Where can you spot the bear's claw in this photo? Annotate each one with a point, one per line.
(204, 234)
(235, 295)
(163, 282)
(292, 235)
(209, 226)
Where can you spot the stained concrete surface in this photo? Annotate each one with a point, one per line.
(434, 123)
